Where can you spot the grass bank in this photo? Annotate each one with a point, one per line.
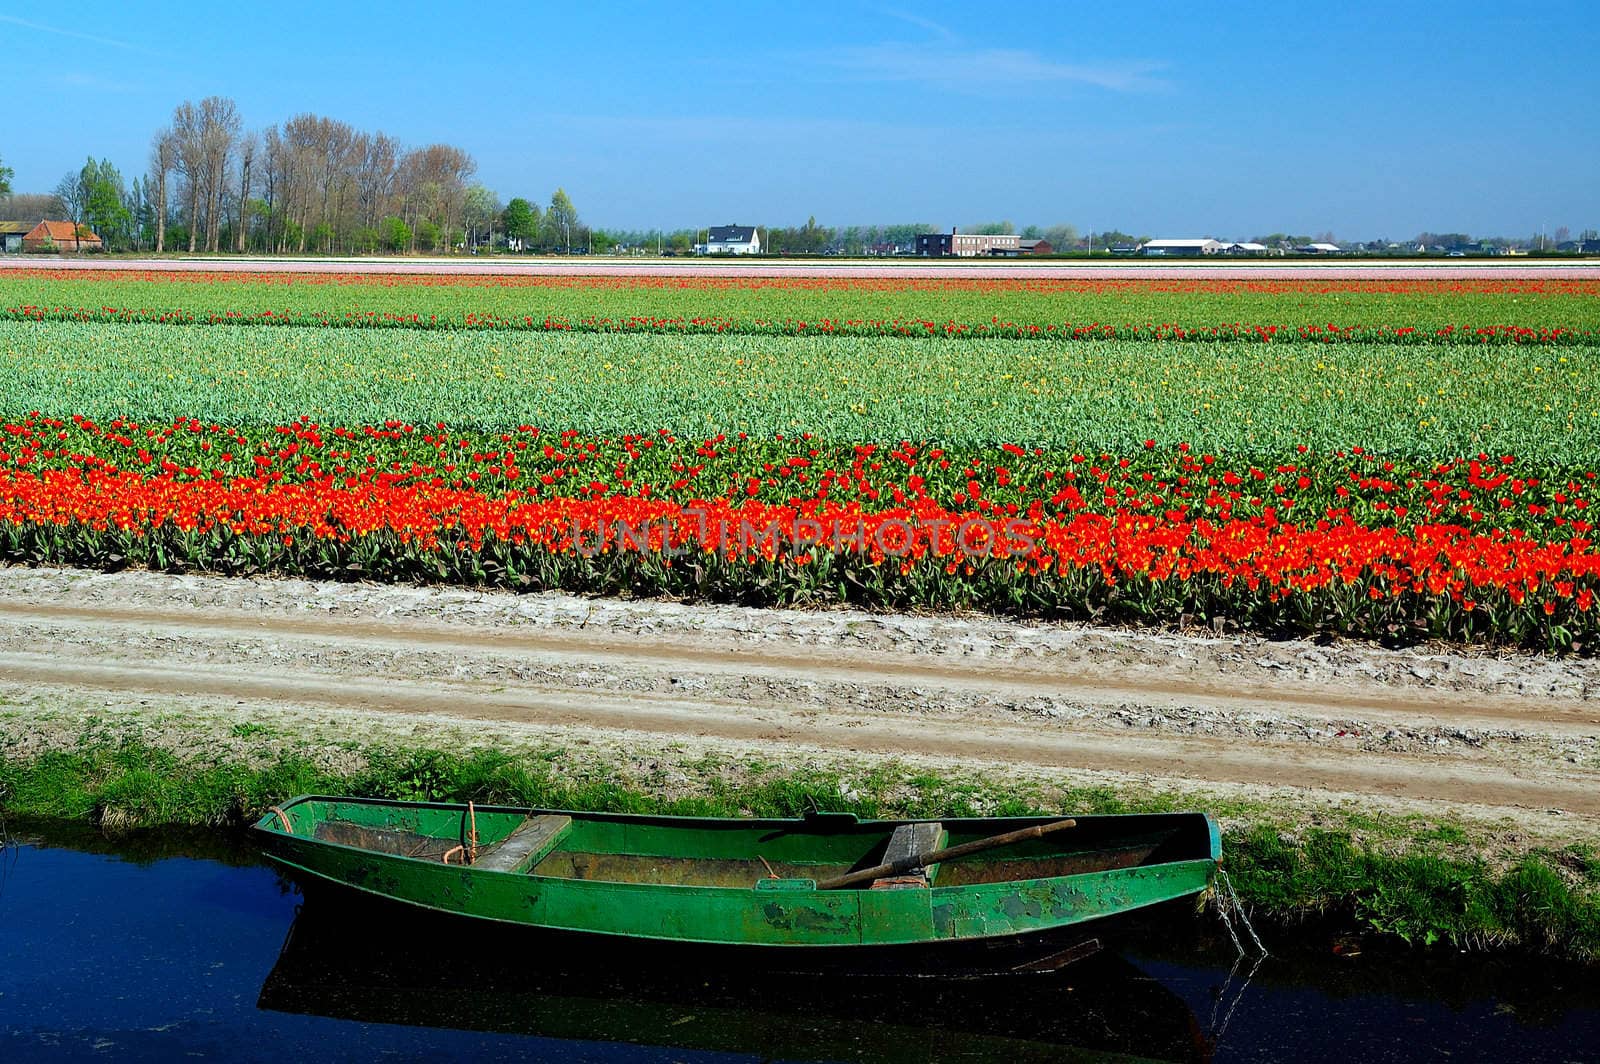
(1417, 879)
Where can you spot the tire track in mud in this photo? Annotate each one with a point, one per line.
(673, 655)
(265, 658)
(1186, 757)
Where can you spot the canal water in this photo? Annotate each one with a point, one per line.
(188, 947)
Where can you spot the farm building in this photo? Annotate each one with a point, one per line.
(1319, 248)
(11, 234)
(1035, 247)
(61, 236)
(967, 245)
(730, 240)
(1205, 246)
(1246, 247)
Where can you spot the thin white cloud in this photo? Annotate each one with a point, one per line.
(77, 79)
(954, 67)
(109, 42)
(727, 129)
(938, 29)
(946, 61)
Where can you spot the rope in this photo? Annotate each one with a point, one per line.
(1228, 898)
(1223, 907)
(1228, 908)
(288, 828)
(1238, 997)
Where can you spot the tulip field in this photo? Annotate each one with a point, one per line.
(1382, 310)
(1395, 460)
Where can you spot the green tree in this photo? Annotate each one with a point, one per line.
(479, 213)
(105, 202)
(520, 220)
(815, 238)
(395, 234)
(6, 174)
(322, 238)
(1062, 237)
(561, 219)
(429, 235)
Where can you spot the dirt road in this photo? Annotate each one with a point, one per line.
(1500, 736)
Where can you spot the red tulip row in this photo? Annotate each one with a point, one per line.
(1493, 494)
(1430, 580)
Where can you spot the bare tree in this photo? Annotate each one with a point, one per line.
(304, 152)
(274, 160)
(433, 184)
(375, 177)
(249, 144)
(29, 207)
(341, 152)
(73, 193)
(219, 136)
(163, 156)
(189, 149)
(321, 179)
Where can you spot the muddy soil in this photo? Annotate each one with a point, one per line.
(1506, 739)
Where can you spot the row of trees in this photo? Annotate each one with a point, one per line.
(310, 184)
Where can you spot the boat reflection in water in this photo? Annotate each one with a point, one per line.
(340, 962)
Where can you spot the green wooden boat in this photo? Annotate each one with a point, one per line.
(826, 891)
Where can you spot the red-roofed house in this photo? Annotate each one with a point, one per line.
(61, 236)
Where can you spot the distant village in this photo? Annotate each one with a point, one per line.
(747, 240)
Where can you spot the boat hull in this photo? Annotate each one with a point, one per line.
(783, 924)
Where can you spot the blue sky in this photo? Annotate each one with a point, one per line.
(1366, 119)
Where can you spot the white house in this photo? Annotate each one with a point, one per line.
(1319, 248)
(730, 240)
(1205, 246)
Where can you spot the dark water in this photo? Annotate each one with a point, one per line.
(184, 948)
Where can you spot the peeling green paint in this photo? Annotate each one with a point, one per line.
(665, 901)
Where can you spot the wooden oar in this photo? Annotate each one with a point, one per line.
(949, 853)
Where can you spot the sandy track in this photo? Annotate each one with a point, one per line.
(1508, 735)
(584, 266)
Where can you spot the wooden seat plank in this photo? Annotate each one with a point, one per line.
(909, 840)
(532, 838)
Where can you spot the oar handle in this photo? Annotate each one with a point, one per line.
(949, 853)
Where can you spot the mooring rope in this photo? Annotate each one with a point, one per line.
(1228, 907)
(1218, 1030)
(10, 853)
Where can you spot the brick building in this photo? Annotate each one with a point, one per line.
(61, 236)
(967, 245)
